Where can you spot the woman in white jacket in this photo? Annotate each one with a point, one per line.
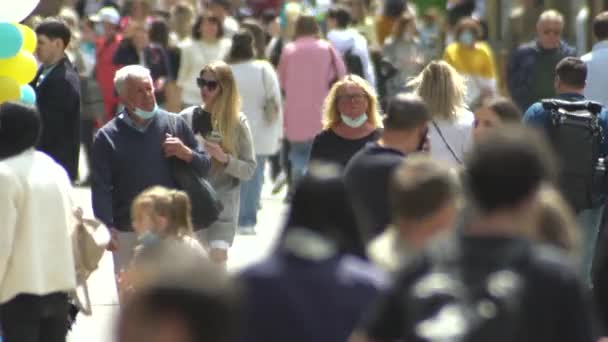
(206, 46)
(258, 85)
(36, 260)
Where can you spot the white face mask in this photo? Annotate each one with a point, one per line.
(356, 122)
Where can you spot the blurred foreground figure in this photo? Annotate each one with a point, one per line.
(36, 260)
(490, 283)
(313, 287)
(188, 301)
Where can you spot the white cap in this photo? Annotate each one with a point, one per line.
(107, 14)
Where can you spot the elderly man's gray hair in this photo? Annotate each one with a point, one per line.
(129, 72)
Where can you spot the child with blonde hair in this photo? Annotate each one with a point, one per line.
(162, 220)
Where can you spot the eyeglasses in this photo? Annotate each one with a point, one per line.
(213, 20)
(555, 32)
(352, 98)
(211, 85)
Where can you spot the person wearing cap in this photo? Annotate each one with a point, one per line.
(107, 22)
(57, 87)
(368, 173)
(36, 260)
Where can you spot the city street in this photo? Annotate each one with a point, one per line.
(246, 250)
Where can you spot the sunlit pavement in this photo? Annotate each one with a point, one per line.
(246, 250)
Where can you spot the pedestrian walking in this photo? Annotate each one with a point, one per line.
(504, 175)
(307, 69)
(531, 68)
(351, 119)
(36, 262)
(57, 79)
(133, 152)
(474, 60)
(443, 90)
(368, 173)
(324, 287)
(587, 195)
(207, 45)
(258, 86)
(223, 131)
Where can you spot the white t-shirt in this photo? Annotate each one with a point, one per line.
(458, 135)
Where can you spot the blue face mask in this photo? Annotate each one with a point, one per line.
(146, 115)
(356, 122)
(99, 29)
(149, 238)
(467, 38)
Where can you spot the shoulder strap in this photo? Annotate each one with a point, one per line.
(445, 142)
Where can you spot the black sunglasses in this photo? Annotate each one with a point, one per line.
(214, 20)
(211, 85)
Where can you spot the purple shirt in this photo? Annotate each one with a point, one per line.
(306, 69)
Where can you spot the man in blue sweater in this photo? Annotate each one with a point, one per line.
(131, 153)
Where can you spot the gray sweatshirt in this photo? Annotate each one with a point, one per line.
(226, 181)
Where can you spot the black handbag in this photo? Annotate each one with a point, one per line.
(206, 207)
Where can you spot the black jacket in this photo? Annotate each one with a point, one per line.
(58, 100)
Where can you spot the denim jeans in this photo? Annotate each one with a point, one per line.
(250, 195)
(299, 154)
(589, 221)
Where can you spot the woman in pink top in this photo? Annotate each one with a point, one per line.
(307, 69)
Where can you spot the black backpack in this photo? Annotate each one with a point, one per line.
(576, 135)
(353, 63)
(453, 301)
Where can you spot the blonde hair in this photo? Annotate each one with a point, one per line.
(557, 225)
(331, 117)
(292, 12)
(226, 108)
(174, 205)
(442, 88)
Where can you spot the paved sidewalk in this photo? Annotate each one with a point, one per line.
(246, 250)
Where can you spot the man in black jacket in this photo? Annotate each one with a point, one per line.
(58, 96)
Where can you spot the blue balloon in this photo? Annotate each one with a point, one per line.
(28, 95)
(11, 40)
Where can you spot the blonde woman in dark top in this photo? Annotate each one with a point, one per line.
(351, 119)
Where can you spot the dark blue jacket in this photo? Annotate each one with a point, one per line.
(289, 298)
(58, 100)
(520, 70)
(126, 161)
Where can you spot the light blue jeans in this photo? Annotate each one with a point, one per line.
(589, 221)
(299, 155)
(251, 192)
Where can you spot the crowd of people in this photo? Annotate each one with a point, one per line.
(425, 202)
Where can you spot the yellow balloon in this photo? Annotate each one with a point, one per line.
(9, 89)
(29, 38)
(22, 68)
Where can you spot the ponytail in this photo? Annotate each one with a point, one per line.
(180, 218)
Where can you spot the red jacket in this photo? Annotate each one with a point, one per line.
(105, 71)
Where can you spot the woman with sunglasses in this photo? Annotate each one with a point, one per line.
(207, 45)
(351, 119)
(224, 133)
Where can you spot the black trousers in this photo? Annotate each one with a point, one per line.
(30, 318)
